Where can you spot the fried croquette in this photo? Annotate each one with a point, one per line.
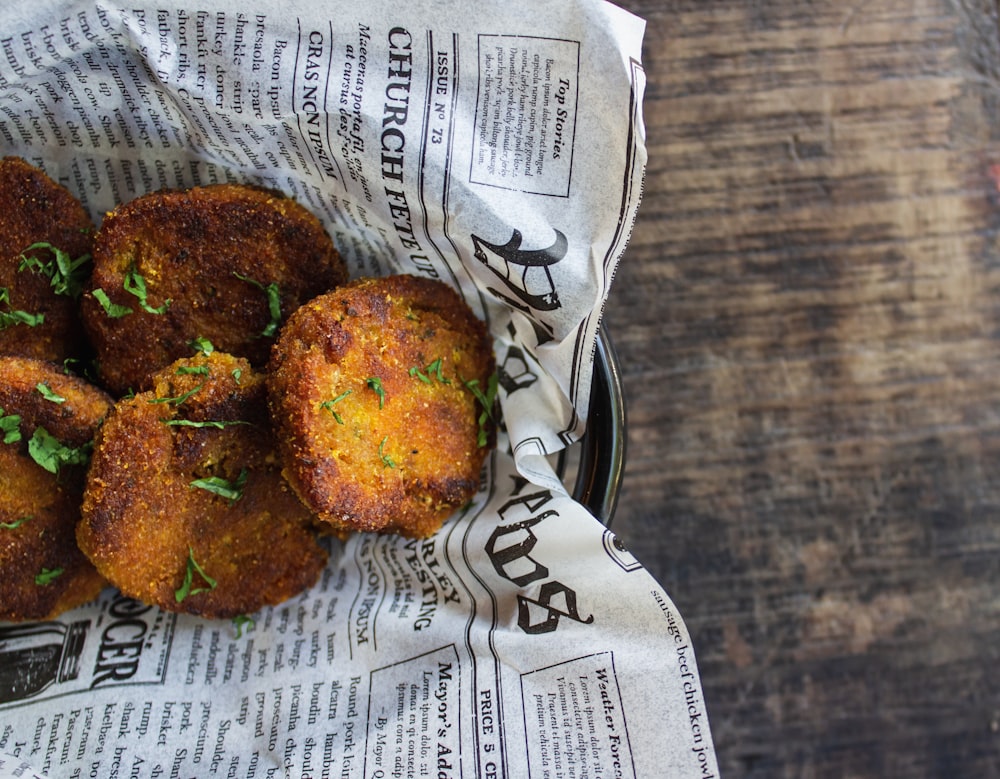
(376, 391)
(226, 262)
(185, 507)
(45, 245)
(47, 424)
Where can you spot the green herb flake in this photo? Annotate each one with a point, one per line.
(135, 284)
(434, 369)
(16, 523)
(187, 588)
(375, 383)
(387, 461)
(74, 366)
(329, 404)
(487, 401)
(179, 398)
(46, 392)
(273, 303)
(51, 454)
(230, 490)
(10, 427)
(113, 310)
(241, 621)
(202, 345)
(430, 371)
(212, 423)
(66, 275)
(192, 370)
(16, 316)
(47, 576)
(417, 373)
(237, 375)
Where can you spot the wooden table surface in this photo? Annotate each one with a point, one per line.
(808, 320)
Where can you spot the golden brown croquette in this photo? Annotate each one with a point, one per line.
(373, 393)
(185, 506)
(226, 262)
(45, 243)
(47, 423)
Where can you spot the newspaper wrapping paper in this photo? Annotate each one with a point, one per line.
(499, 149)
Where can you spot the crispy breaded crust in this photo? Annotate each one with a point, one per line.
(145, 524)
(367, 391)
(38, 509)
(36, 209)
(192, 247)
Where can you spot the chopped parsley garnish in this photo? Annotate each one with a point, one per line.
(135, 284)
(50, 453)
(242, 620)
(47, 576)
(75, 366)
(375, 383)
(65, 274)
(237, 374)
(487, 402)
(202, 345)
(187, 588)
(113, 310)
(230, 490)
(430, 371)
(10, 427)
(216, 424)
(329, 404)
(387, 461)
(46, 392)
(273, 303)
(16, 523)
(434, 369)
(179, 398)
(16, 316)
(192, 370)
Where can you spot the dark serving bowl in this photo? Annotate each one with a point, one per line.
(599, 459)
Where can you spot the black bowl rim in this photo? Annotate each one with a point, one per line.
(601, 467)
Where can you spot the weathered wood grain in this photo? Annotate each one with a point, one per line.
(808, 318)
